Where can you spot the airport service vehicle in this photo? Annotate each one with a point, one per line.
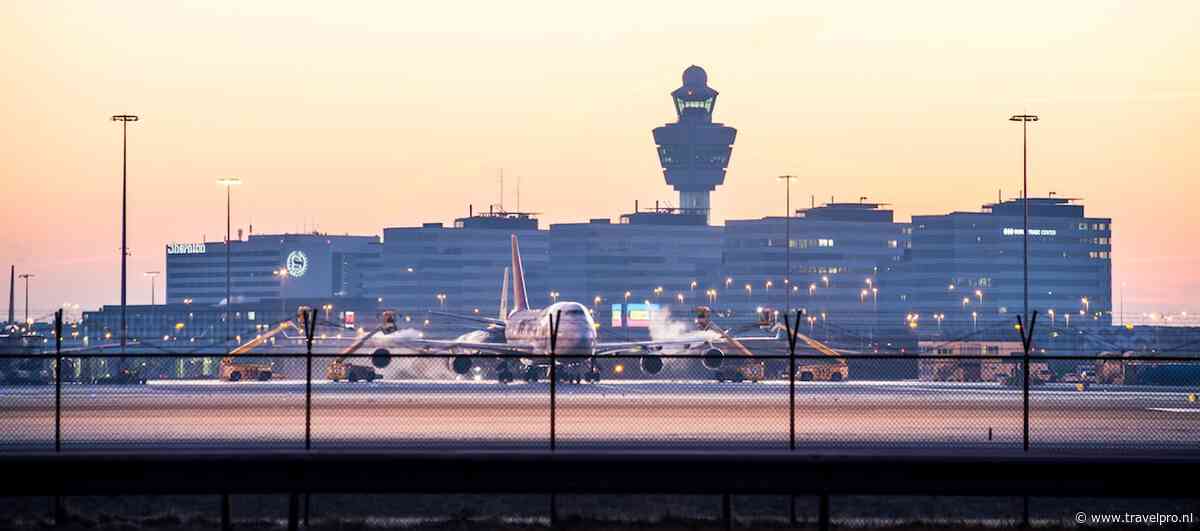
(1013, 374)
(526, 347)
(342, 369)
(746, 369)
(832, 369)
(236, 371)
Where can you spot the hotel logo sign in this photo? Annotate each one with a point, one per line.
(186, 248)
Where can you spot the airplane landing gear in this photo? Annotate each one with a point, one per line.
(531, 375)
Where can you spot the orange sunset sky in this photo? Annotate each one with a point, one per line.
(350, 117)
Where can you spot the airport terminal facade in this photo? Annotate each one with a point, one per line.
(853, 268)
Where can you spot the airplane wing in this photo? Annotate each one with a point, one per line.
(684, 343)
(475, 318)
(452, 344)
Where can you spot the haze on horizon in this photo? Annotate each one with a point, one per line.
(351, 118)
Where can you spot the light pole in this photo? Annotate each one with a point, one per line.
(787, 249)
(979, 295)
(441, 297)
(228, 183)
(26, 277)
(152, 275)
(625, 315)
(282, 273)
(1025, 119)
(124, 119)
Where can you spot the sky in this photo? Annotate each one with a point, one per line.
(348, 117)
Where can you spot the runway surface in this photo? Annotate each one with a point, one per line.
(887, 416)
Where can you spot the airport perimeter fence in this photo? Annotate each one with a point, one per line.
(782, 398)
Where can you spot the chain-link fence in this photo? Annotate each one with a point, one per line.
(665, 401)
(788, 392)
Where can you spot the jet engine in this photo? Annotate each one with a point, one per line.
(652, 364)
(712, 358)
(460, 364)
(381, 358)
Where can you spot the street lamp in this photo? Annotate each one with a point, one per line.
(1086, 305)
(938, 317)
(974, 320)
(679, 297)
(965, 300)
(441, 297)
(862, 296)
(152, 275)
(787, 231)
(749, 291)
(625, 315)
(825, 279)
(26, 277)
(812, 289)
(228, 183)
(1025, 119)
(282, 273)
(693, 285)
(728, 281)
(124, 119)
(979, 295)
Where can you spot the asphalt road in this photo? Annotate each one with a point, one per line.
(884, 416)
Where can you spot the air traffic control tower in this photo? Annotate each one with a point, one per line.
(694, 151)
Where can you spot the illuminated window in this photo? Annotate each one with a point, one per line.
(892, 244)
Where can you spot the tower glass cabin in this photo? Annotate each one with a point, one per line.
(694, 151)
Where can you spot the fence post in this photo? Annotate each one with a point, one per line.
(555, 321)
(226, 521)
(823, 520)
(793, 332)
(58, 327)
(309, 320)
(1026, 344)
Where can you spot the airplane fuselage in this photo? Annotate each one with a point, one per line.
(576, 330)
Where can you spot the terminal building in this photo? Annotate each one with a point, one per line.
(270, 267)
(459, 269)
(966, 274)
(840, 255)
(661, 258)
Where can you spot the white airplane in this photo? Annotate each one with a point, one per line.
(527, 332)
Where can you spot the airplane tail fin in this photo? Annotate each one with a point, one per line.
(520, 298)
(504, 296)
